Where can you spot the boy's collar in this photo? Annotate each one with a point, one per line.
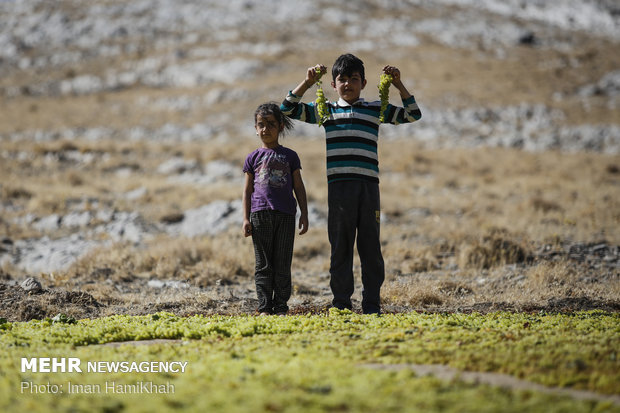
(342, 102)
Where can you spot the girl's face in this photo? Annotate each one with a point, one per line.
(268, 129)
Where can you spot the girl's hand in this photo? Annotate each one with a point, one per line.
(247, 228)
(314, 73)
(303, 224)
(394, 72)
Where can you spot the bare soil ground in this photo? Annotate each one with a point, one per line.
(556, 281)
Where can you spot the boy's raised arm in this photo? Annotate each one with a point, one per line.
(396, 81)
(312, 75)
(410, 112)
(292, 105)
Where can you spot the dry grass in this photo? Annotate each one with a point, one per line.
(461, 228)
(495, 249)
(537, 286)
(200, 262)
(472, 210)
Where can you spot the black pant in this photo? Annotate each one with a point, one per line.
(273, 233)
(354, 207)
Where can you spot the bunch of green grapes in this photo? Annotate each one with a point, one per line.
(321, 102)
(384, 93)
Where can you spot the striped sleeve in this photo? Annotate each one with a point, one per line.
(295, 109)
(410, 112)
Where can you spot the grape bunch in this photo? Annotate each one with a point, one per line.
(321, 102)
(384, 93)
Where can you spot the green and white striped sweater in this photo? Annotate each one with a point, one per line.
(351, 133)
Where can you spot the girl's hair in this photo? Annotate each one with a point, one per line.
(272, 108)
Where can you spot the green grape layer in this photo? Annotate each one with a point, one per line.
(321, 102)
(384, 93)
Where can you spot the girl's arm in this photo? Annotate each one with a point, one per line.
(300, 194)
(248, 189)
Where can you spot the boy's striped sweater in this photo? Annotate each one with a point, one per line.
(351, 132)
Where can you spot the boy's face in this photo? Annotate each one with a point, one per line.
(349, 87)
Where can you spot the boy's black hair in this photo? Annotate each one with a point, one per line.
(272, 108)
(347, 64)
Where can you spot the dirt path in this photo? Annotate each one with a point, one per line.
(447, 373)
(493, 379)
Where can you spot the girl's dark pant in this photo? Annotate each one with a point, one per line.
(354, 207)
(273, 233)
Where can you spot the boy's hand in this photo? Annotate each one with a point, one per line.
(396, 82)
(314, 73)
(303, 224)
(247, 228)
(395, 73)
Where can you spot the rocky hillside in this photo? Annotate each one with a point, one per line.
(527, 74)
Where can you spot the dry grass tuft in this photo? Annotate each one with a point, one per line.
(413, 260)
(418, 293)
(540, 204)
(201, 262)
(75, 179)
(454, 289)
(558, 281)
(311, 252)
(548, 275)
(613, 169)
(493, 250)
(11, 192)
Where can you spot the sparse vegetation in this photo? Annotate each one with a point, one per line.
(432, 234)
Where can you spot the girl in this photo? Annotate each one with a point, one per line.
(272, 174)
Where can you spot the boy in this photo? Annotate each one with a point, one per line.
(352, 130)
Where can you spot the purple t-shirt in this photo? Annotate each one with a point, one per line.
(273, 178)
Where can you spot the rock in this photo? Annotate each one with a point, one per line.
(45, 255)
(208, 219)
(177, 166)
(201, 72)
(63, 319)
(31, 285)
(317, 216)
(136, 193)
(220, 169)
(6, 244)
(173, 218)
(214, 171)
(81, 85)
(127, 226)
(104, 215)
(175, 284)
(76, 219)
(608, 85)
(528, 39)
(48, 224)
